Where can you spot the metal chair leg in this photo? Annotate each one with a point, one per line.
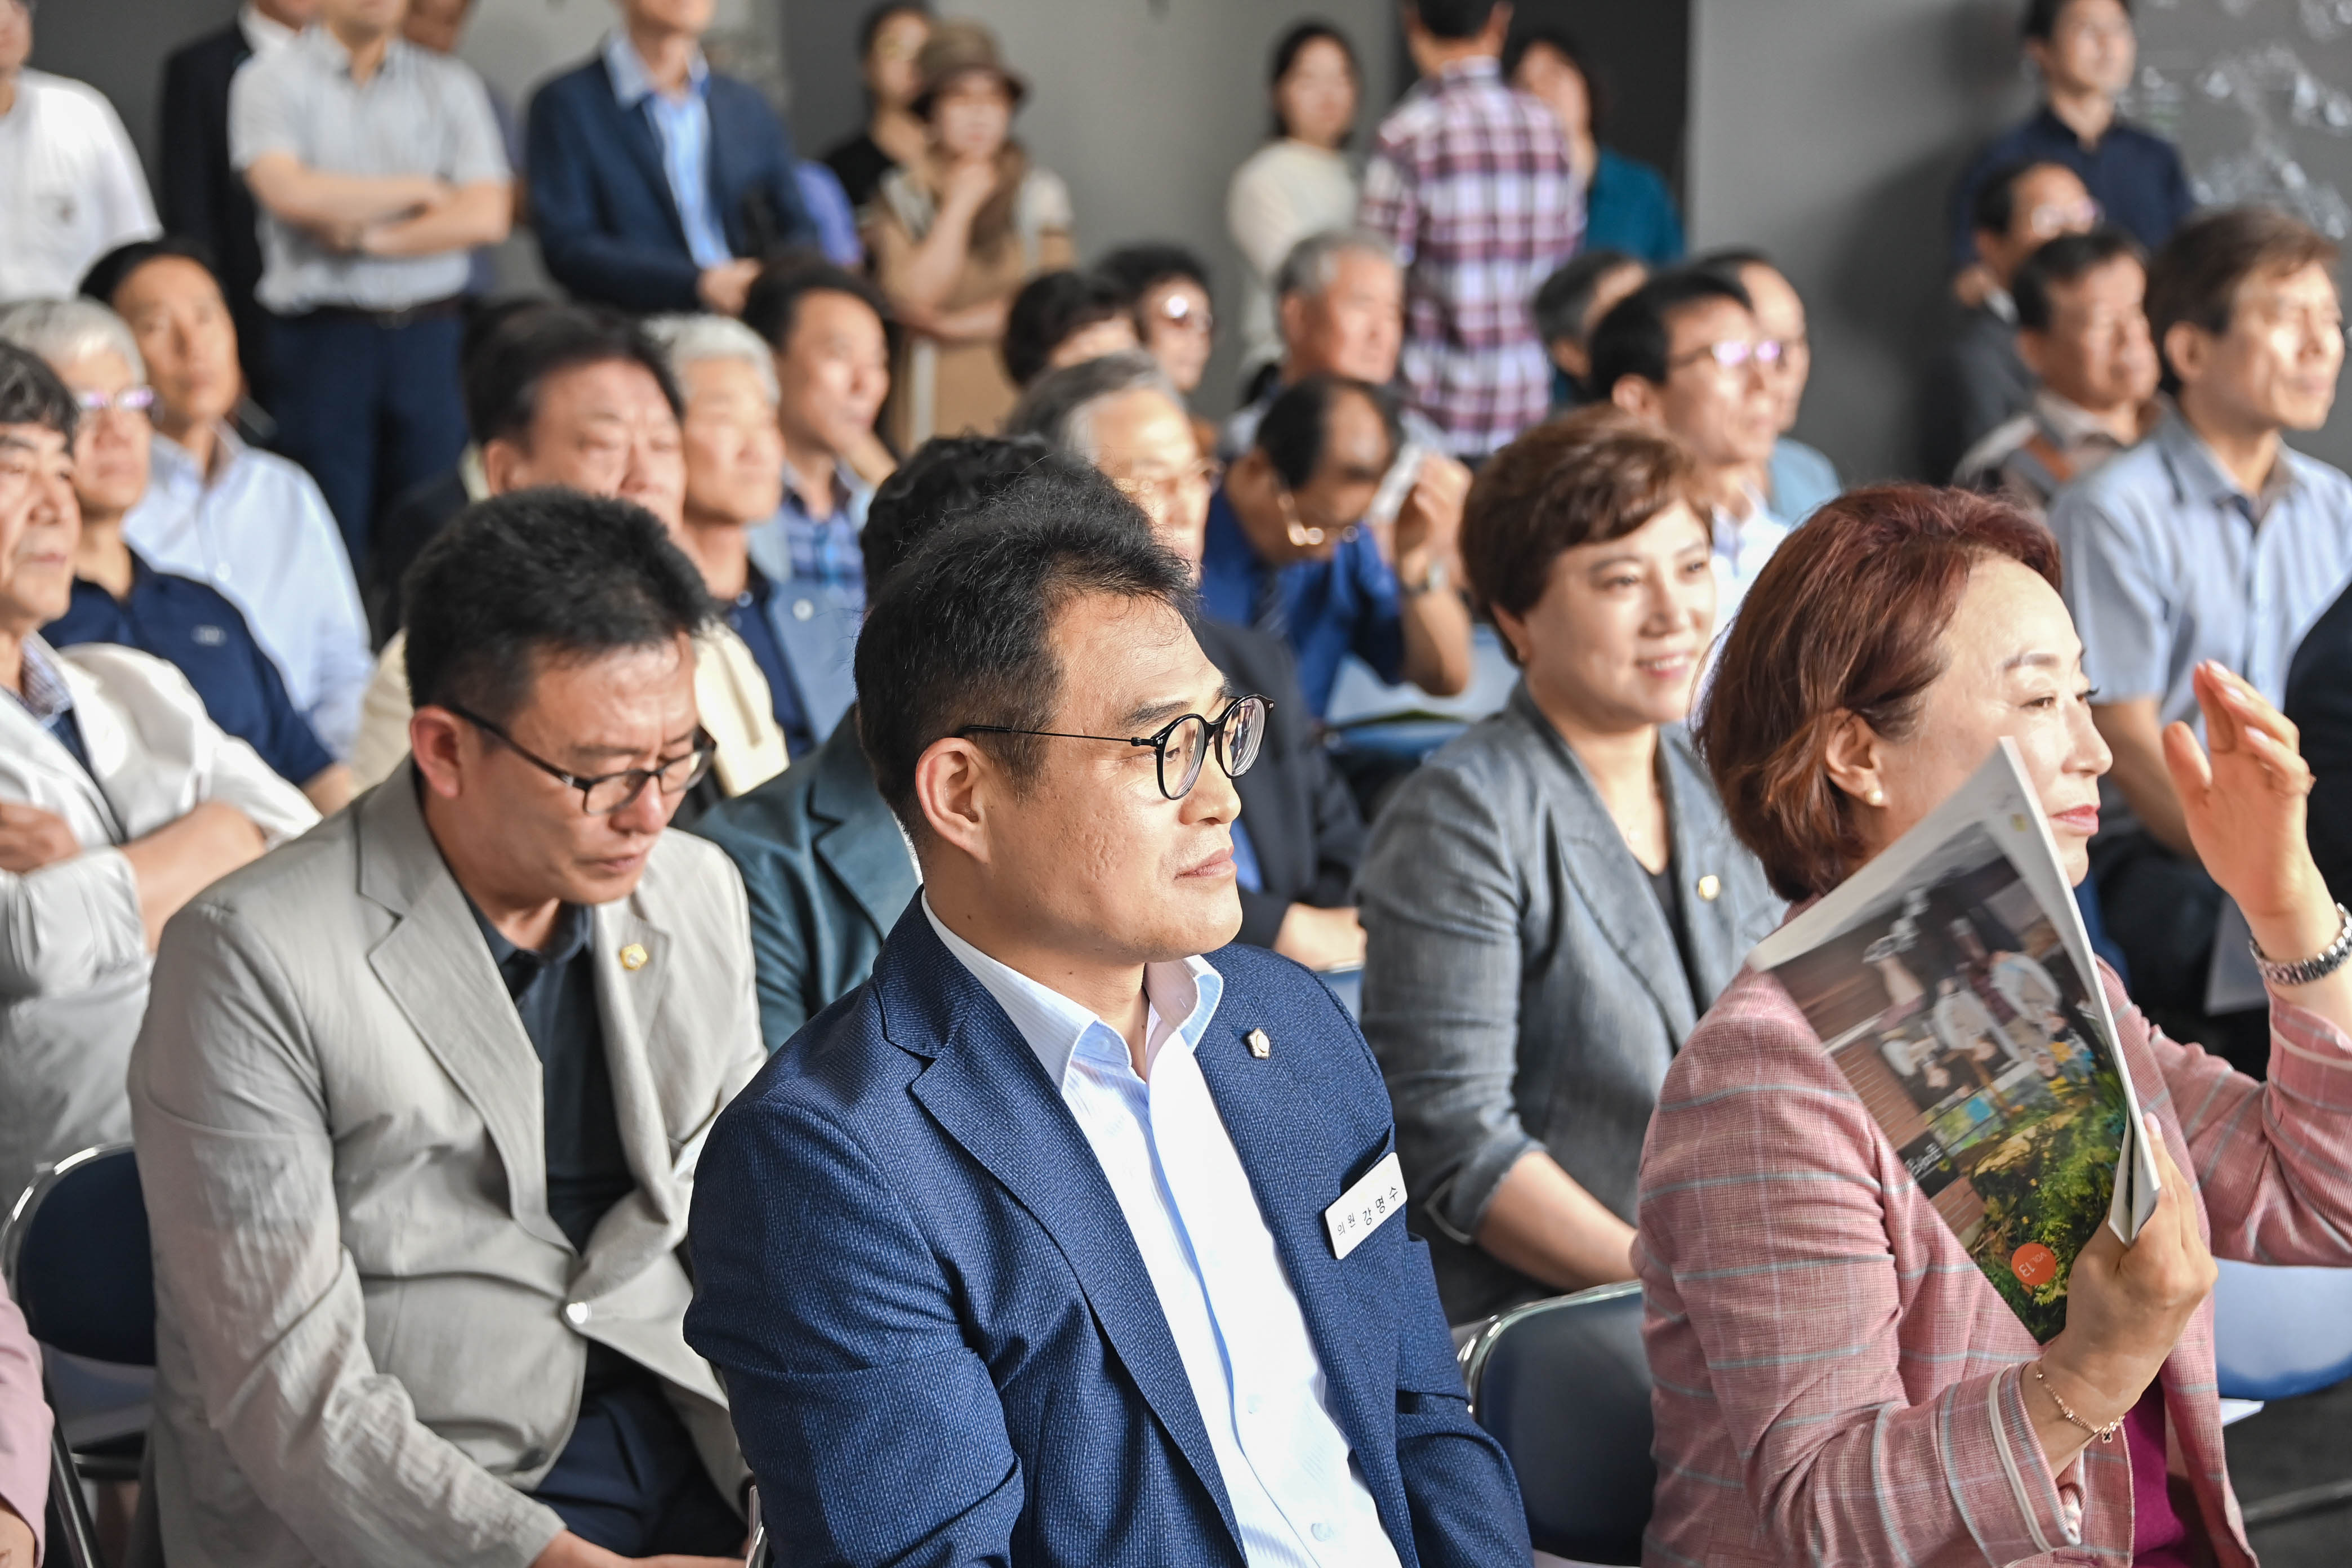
(71, 1529)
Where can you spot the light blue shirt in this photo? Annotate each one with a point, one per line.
(682, 127)
(2169, 562)
(1800, 479)
(261, 534)
(1297, 1496)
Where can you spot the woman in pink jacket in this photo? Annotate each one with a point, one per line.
(1835, 1380)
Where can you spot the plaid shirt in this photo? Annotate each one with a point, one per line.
(825, 550)
(1834, 1380)
(1471, 182)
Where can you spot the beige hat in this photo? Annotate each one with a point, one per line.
(954, 48)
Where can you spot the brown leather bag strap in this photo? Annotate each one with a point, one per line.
(2045, 451)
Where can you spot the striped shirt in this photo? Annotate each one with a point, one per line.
(1471, 182)
(1834, 1380)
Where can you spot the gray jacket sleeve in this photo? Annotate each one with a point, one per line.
(227, 1106)
(1441, 899)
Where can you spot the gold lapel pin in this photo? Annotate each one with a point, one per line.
(633, 957)
(1260, 1047)
(1710, 885)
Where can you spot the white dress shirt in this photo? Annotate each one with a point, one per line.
(70, 187)
(260, 534)
(1742, 545)
(1297, 1495)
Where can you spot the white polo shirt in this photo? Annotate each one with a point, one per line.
(70, 187)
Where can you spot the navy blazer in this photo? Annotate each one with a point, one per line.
(938, 1338)
(608, 226)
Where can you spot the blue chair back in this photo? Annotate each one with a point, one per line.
(2278, 1332)
(77, 1259)
(1564, 1385)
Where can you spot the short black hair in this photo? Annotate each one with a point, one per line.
(1291, 44)
(109, 272)
(1453, 18)
(2064, 260)
(1052, 308)
(1298, 423)
(32, 394)
(948, 477)
(2041, 18)
(961, 632)
(1528, 30)
(1132, 269)
(1994, 207)
(1634, 337)
(869, 27)
(1563, 298)
(772, 306)
(545, 574)
(503, 377)
(1730, 258)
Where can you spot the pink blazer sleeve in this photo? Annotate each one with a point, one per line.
(23, 1424)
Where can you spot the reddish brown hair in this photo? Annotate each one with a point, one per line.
(1848, 616)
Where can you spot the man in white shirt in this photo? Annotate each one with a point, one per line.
(70, 187)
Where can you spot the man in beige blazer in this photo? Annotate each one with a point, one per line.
(419, 1103)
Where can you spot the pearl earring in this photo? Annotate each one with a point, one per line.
(1876, 796)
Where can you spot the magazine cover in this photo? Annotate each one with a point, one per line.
(1952, 984)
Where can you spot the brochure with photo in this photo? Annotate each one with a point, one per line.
(1951, 982)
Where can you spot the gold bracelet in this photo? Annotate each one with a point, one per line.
(2105, 1434)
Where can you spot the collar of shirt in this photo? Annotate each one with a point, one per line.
(2001, 305)
(263, 34)
(175, 467)
(2197, 472)
(1476, 69)
(41, 689)
(329, 49)
(1184, 997)
(471, 476)
(2069, 424)
(631, 82)
(518, 966)
(850, 493)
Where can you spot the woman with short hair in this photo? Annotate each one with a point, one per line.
(1836, 1380)
(1299, 182)
(1552, 899)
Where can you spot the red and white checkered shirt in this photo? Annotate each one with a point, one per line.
(1834, 1380)
(1471, 182)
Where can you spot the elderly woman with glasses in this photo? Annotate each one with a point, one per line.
(1552, 899)
(1836, 1380)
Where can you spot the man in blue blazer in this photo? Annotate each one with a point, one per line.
(655, 183)
(1057, 1242)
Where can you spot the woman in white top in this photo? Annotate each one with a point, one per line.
(1298, 184)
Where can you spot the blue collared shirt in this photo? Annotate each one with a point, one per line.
(1188, 1202)
(747, 613)
(1329, 609)
(190, 626)
(262, 535)
(2169, 562)
(682, 127)
(825, 550)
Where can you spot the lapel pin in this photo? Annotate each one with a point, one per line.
(1710, 885)
(1260, 1047)
(633, 957)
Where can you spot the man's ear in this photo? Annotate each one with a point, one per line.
(952, 786)
(1639, 396)
(502, 465)
(1292, 309)
(2034, 349)
(2188, 350)
(436, 739)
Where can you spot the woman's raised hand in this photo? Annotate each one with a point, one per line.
(2243, 794)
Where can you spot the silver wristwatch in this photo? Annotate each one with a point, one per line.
(2326, 961)
(1434, 578)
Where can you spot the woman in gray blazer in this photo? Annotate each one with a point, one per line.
(1553, 899)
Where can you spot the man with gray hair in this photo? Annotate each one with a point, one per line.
(1299, 838)
(1339, 297)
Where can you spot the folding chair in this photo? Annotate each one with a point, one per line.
(2278, 1332)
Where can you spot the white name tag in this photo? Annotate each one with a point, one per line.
(1366, 1206)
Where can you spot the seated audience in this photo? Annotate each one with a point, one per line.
(1300, 837)
(1976, 380)
(1686, 353)
(1167, 287)
(25, 1427)
(888, 41)
(735, 479)
(2082, 330)
(120, 599)
(1568, 306)
(1082, 1252)
(118, 801)
(576, 397)
(2210, 541)
(826, 869)
(377, 168)
(1554, 898)
(1473, 184)
(1298, 184)
(1799, 478)
(203, 201)
(1061, 319)
(1341, 297)
(685, 230)
(1627, 205)
(216, 509)
(832, 359)
(2085, 51)
(955, 234)
(463, 1168)
(1830, 1364)
(74, 190)
(1286, 551)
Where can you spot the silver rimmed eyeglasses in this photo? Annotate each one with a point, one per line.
(1182, 744)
